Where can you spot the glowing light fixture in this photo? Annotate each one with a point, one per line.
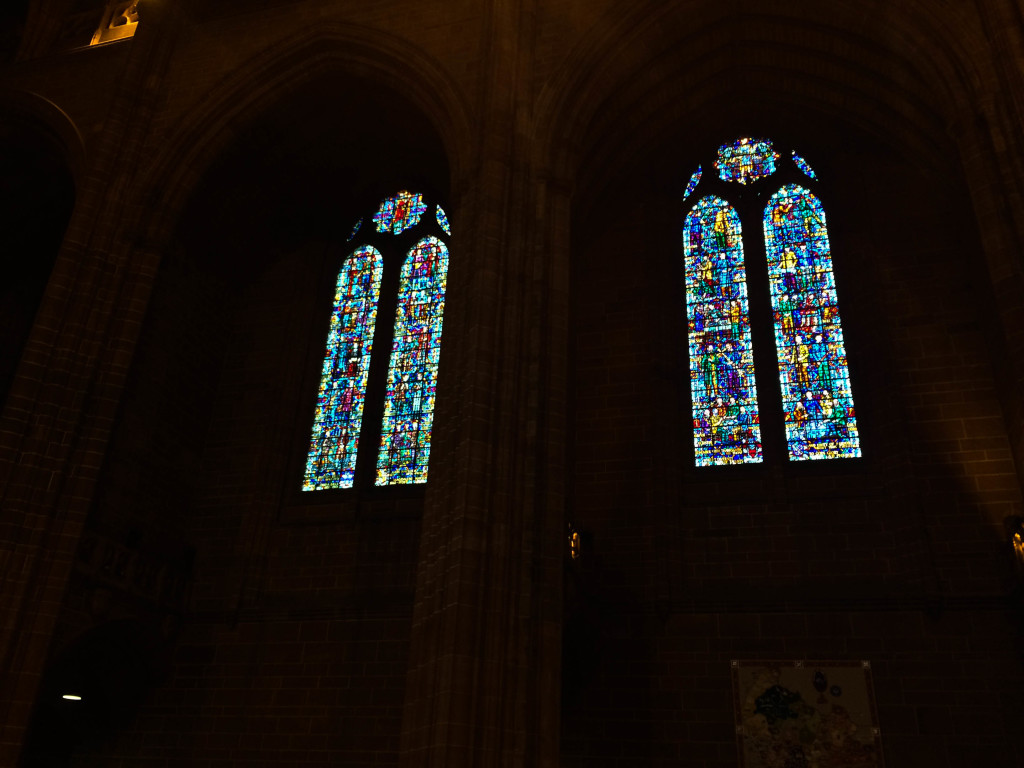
(71, 697)
(1015, 526)
(574, 542)
(120, 19)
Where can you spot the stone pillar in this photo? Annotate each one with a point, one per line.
(61, 408)
(992, 154)
(1001, 237)
(483, 685)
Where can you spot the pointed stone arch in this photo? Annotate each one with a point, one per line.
(342, 52)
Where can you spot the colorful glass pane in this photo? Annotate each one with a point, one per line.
(399, 213)
(412, 373)
(726, 427)
(355, 229)
(746, 160)
(331, 461)
(816, 396)
(442, 221)
(691, 185)
(804, 166)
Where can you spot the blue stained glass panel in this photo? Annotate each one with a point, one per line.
(331, 460)
(442, 221)
(804, 166)
(816, 397)
(726, 426)
(412, 373)
(746, 160)
(399, 213)
(355, 229)
(691, 185)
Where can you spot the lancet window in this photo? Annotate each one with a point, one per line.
(378, 379)
(814, 382)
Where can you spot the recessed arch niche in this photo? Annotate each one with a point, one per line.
(668, 535)
(242, 297)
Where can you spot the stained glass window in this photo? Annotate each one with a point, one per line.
(691, 185)
(331, 460)
(804, 166)
(383, 273)
(746, 160)
(442, 220)
(816, 396)
(726, 428)
(412, 373)
(399, 213)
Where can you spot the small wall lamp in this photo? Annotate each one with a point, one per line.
(574, 542)
(1015, 526)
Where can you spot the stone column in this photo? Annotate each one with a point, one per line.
(62, 405)
(486, 638)
(992, 154)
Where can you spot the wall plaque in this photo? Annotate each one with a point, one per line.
(806, 714)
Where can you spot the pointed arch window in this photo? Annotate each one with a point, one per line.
(724, 393)
(412, 373)
(796, 280)
(373, 409)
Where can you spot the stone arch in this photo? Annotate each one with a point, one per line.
(331, 50)
(221, 182)
(926, 84)
(50, 120)
(660, 63)
(647, 94)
